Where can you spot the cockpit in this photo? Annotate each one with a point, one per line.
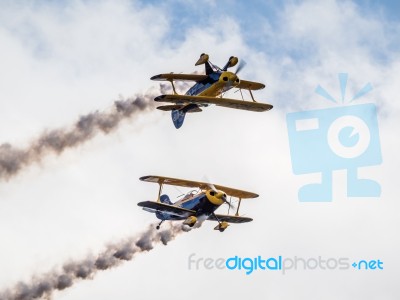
(188, 195)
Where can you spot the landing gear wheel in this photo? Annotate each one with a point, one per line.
(159, 224)
(221, 225)
(190, 221)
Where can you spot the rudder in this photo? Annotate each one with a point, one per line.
(165, 199)
(178, 116)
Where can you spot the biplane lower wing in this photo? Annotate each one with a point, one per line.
(230, 219)
(198, 184)
(166, 208)
(184, 77)
(224, 102)
(182, 212)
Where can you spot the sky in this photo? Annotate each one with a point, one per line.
(64, 59)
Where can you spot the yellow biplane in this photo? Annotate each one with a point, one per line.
(198, 204)
(208, 90)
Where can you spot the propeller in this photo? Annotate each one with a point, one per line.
(242, 64)
(213, 188)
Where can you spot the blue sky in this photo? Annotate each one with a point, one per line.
(250, 16)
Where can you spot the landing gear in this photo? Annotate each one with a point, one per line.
(159, 224)
(221, 225)
(190, 221)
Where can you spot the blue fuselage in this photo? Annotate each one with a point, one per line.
(201, 86)
(198, 203)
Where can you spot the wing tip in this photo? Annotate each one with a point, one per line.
(265, 107)
(250, 195)
(156, 77)
(159, 98)
(144, 178)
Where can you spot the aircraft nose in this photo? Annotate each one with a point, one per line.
(233, 79)
(222, 196)
(229, 78)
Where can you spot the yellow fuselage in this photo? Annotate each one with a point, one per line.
(225, 82)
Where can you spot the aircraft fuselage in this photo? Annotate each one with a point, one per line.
(214, 85)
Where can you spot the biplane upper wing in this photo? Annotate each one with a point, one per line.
(166, 208)
(249, 85)
(224, 102)
(198, 184)
(173, 76)
(230, 219)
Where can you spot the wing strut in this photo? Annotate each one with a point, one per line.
(251, 94)
(173, 86)
(237, 210)
(240, 90)
(159, 191)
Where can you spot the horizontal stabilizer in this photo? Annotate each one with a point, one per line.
(177, 107)
(166, 208)
(170, 107)
(195, 109)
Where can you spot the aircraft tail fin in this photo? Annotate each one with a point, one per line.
(178, 116)
(165, 199)
(209, 68)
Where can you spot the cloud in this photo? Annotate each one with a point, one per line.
(84, 54)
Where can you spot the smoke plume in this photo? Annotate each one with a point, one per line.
(13, 160)
(43, 286)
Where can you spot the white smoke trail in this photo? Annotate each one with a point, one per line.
(13, 159)
(43, 286)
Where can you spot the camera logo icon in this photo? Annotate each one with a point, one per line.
(325, 140)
